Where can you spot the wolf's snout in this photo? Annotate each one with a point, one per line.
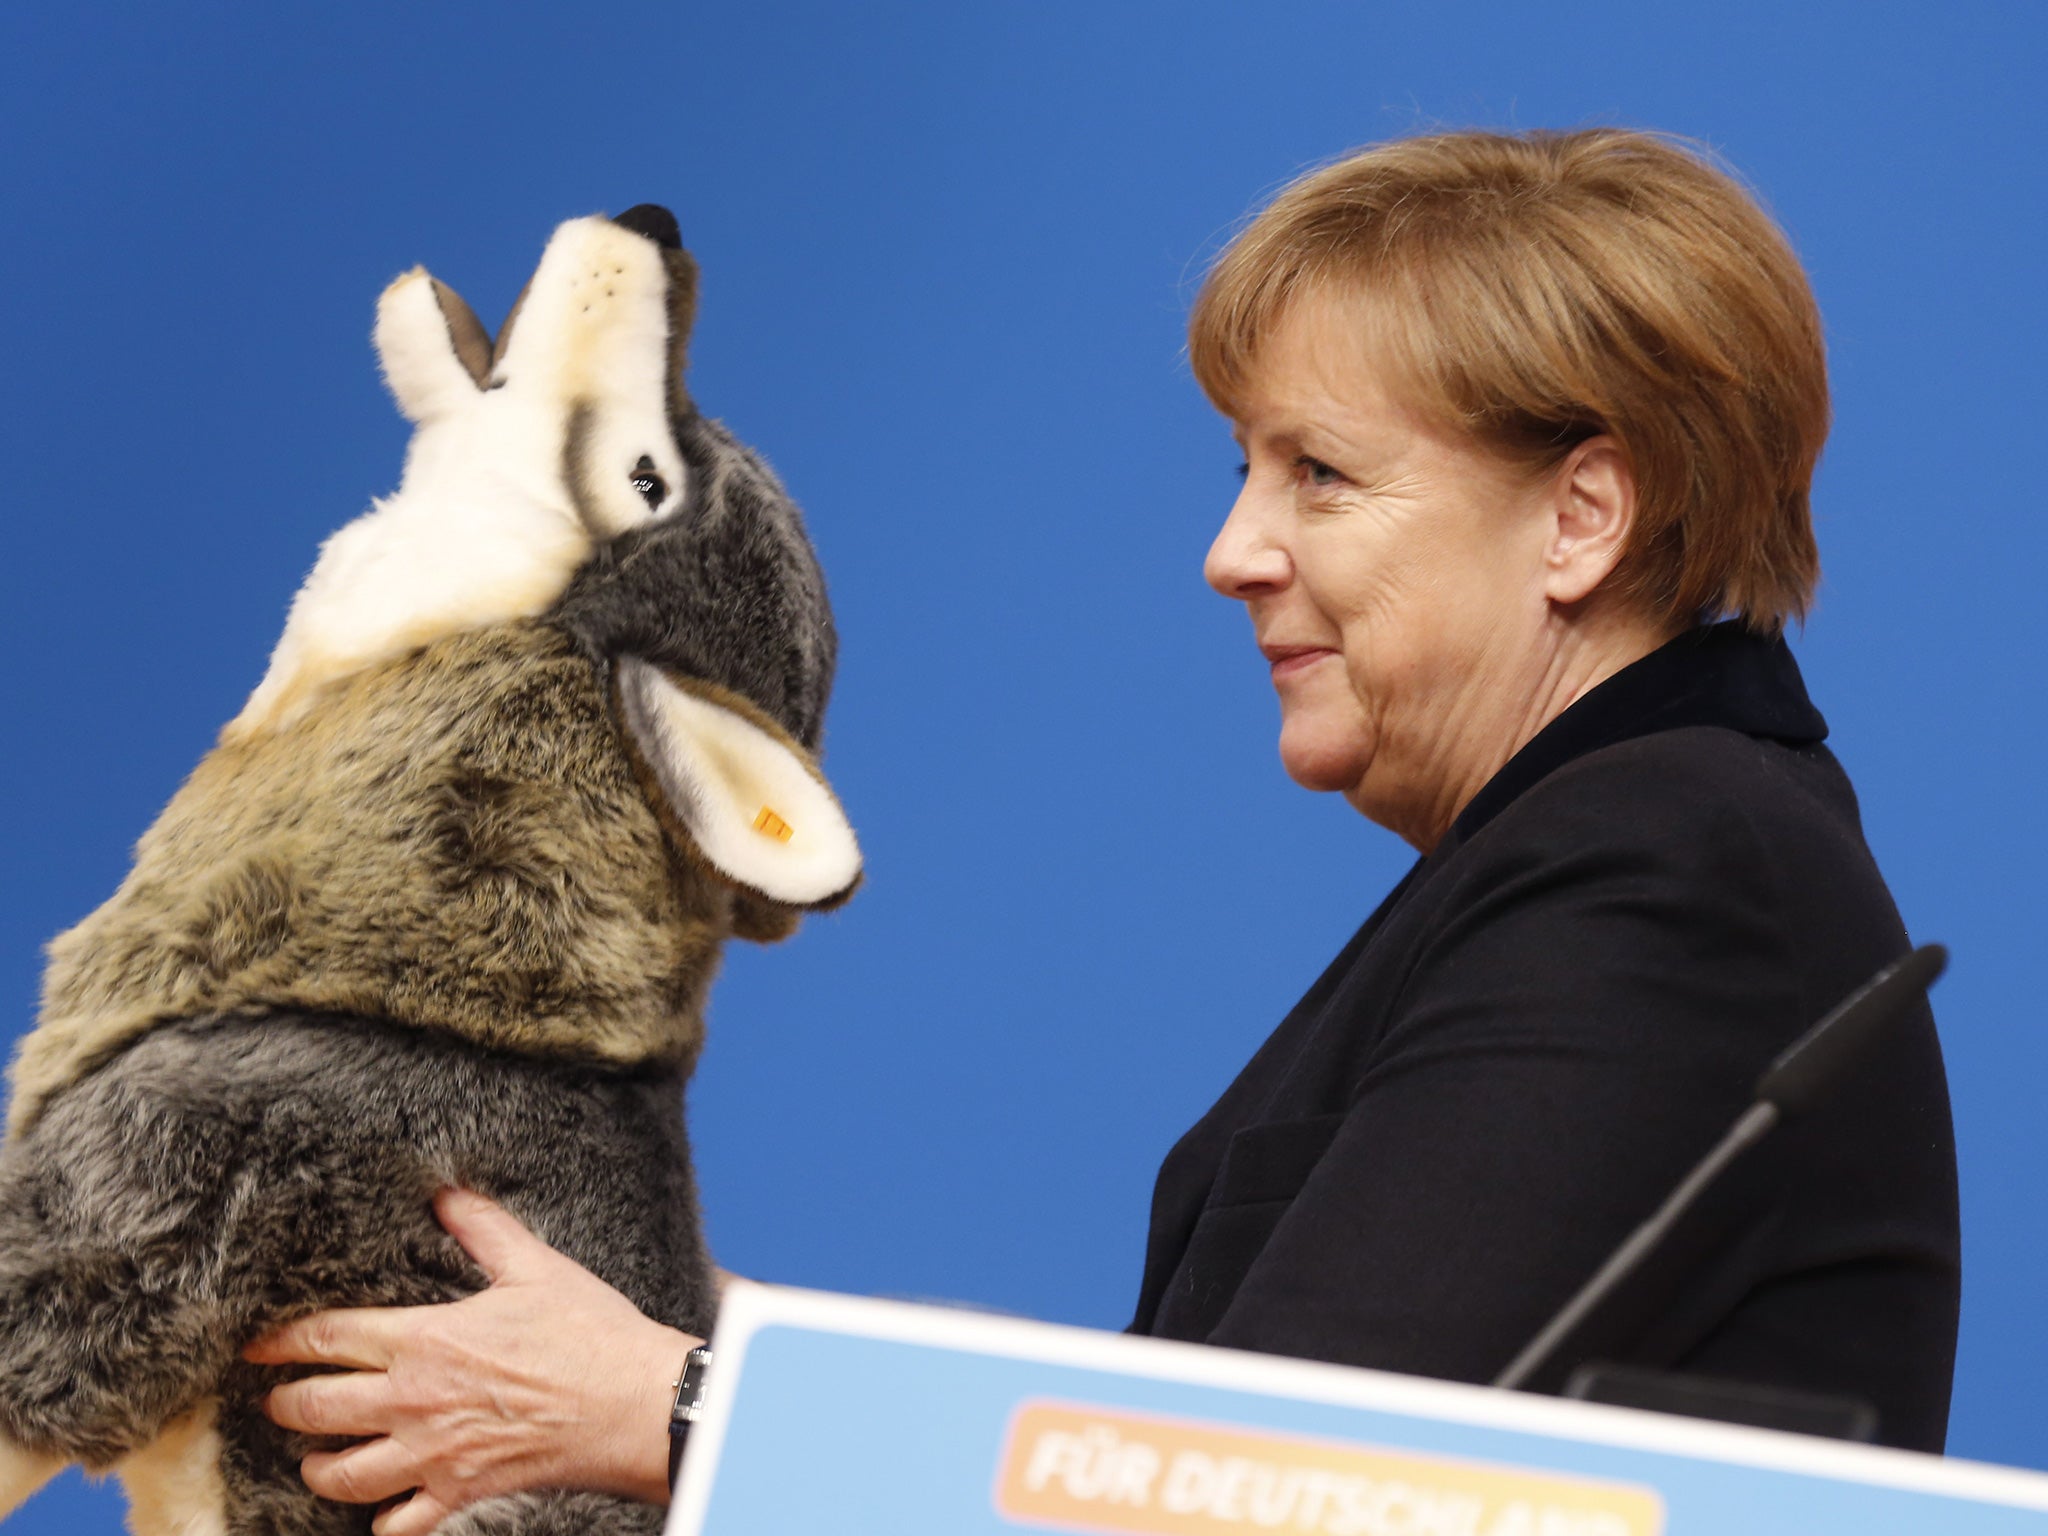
(655, 222)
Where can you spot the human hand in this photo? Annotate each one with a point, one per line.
(548, 1379)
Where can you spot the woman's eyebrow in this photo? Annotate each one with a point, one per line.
(1326, 443)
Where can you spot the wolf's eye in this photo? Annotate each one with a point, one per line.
(652, 488)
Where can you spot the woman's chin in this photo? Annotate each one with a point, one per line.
(1328, 767)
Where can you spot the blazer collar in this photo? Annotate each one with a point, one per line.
(1718, 674)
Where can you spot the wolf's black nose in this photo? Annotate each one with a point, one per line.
(655, 222)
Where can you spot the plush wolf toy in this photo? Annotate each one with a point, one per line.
(441, 907)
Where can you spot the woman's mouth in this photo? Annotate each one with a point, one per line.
(1286, 660)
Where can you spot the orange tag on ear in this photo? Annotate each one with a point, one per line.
(771, 825)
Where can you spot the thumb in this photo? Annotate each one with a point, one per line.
(490, 1234)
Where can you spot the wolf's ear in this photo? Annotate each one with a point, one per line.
(751, 800)
(434, 350)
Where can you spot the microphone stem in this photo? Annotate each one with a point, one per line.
(1755, 1124)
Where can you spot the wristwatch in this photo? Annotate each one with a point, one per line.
(687, 1408)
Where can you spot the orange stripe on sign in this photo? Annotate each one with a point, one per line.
(1099, 1469)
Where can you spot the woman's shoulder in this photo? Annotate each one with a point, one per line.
(1684, 842)
(1695, 790)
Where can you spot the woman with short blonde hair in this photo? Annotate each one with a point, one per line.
(1529, 424)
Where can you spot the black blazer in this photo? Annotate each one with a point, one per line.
(1549, 1020)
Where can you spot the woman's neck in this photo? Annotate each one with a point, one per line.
(1574, 653)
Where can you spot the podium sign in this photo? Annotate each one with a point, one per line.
(870, 1418)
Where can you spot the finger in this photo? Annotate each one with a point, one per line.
(490, 1234)
(417, 1516)
(363, 1337)
(362, 1474)
(358, 1403)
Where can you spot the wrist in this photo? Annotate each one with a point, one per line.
(643, 1414)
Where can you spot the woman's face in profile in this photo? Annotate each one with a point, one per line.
(1393, 571)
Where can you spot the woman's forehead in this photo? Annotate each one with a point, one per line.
(1325, 364)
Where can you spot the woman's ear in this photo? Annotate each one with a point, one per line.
(1593, 502)
(434, 351)
(749, 798)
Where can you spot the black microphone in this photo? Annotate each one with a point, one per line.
(1801, 1073)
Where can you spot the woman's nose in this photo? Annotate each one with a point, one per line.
(1244, 562)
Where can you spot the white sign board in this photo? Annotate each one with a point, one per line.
(835, 1414)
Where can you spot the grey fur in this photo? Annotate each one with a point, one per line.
(197, 1179)
(218, 1178)
(726, 588)
(555, 1514)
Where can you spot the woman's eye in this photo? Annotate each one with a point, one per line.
(1315, 471)
(1244, 469)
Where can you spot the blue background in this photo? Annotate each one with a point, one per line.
(948, 251)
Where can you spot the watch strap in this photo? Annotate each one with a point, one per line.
(687, 1407)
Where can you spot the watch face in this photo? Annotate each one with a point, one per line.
(689, 1401)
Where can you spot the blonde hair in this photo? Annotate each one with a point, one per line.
(1539, 289)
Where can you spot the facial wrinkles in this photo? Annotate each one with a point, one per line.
(1435, 647)
(1409, 565)
(1395, 655)
(1423, 565)
(1341, 539)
